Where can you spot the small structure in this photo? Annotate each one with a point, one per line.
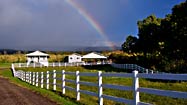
(74, 58)
(94, 58)
(37, 57)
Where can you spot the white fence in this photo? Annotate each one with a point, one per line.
(56, 64)
(37, 78)
(134, 67)
(59, 64)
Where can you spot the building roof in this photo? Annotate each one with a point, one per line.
(37, 53)
(93, 55)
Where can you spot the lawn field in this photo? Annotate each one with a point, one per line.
(5, 65)
(90, 100)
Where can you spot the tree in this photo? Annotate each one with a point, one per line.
(129, 44)
(148, 31)
(179, 26)
(162, 40)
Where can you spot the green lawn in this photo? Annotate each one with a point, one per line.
(5, 65)
(89, 100)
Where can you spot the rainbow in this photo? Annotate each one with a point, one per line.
(92, 21)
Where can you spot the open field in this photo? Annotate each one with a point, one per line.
(85, 99)
(5, 65)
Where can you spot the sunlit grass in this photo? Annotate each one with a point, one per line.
(5, 65)
(86, 99)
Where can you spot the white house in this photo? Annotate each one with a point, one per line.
(37, 57)
(74, 58)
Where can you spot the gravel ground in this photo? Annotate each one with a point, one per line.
(11, 94)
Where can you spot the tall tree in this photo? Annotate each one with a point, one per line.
(129, 44)
(179, 26)
(148, 31)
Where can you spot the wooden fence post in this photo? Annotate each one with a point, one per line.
(135, 88)
(54, 79)
(26, 76)
(147, 71)
(19, 64)
(33, 78)
(100, 88)
(151, 71)
(37, 79)
(63, 82)
(47, 80)
(77, 85)
(30, 79)
(42, 80)
(23, 76)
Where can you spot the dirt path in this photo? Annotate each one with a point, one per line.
(11, 94)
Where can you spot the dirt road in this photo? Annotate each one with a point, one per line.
(11, 94)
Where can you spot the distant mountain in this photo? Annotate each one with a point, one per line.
(65, 49)
(7, 51)
(98, 48)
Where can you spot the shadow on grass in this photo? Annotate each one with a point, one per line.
(67, 97)
(106, 68)
(109, 68)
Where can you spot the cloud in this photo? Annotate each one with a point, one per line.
(48, 23)
(13, 13)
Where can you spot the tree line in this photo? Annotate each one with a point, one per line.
(161, 41)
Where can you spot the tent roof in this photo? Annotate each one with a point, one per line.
(37, 53)
(94, 55)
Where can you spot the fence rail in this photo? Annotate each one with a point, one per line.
(56, 64)
(37, 78)
(64, 64)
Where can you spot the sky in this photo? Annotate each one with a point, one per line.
(62, 24)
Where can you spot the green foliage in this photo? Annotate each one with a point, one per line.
(129, 45)
(163, 40)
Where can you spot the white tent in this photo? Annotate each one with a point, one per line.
(93, 55)
(37, 53)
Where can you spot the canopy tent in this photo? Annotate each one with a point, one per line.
(93, 55)
(37, 53)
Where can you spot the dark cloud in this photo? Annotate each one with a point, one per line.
(55, 24)
(47, 23)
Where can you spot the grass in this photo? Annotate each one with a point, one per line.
(5, 65)
(46, 93)
(89, 100)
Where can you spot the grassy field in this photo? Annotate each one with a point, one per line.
(5, 65)
(46, 93)
(89, 100)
